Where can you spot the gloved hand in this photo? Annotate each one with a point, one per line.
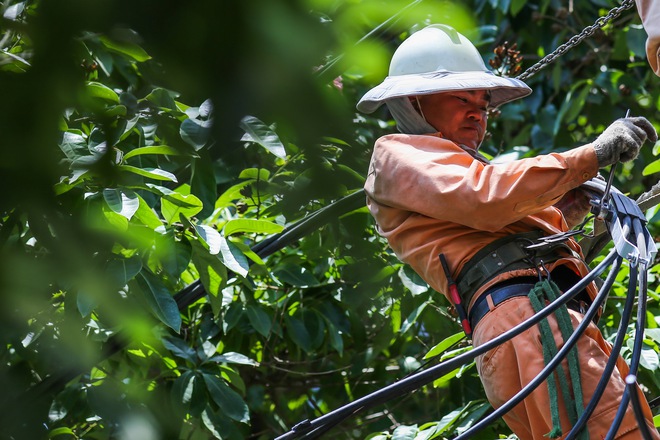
(622, 140)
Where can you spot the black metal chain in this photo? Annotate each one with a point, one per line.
(577, 39)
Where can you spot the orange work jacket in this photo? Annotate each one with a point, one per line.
(430, 196)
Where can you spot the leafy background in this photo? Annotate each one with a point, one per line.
(150, 150)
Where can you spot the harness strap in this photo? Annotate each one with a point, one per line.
(504, 255)
(573, 399)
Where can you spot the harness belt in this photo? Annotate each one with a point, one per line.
(510, 289)
(504, 255)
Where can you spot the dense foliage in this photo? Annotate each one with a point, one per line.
(150, 149)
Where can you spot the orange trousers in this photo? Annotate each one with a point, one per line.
(510, 366)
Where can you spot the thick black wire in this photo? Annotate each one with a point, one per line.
(626, 315)
(638, 231)
(631, 388)
(623, 406)
(554, 363)
(310, 428)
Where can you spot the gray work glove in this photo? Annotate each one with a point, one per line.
(622, 140)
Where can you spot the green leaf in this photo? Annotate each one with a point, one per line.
(124, 202)
(212, 273)
(236, 226)
(85, 303)
(233, 258)
(162, 150)
(114, 219)
(516, 6)
(235, 358)
(651, 168)
(127, 48)
(174, 254)
(259, 319)
(152, 173)
(221, 427)
(182, 388)
(255, 174)
(57, 432)
(649, 358)
(190, 390)
(176, 204)
(162, 98)
(573, 103)
(160, 301)
(230, 403)
(298, 333)
(444, 345)
(315, 326)
(335, 337)
(146, 215)
(412, 281)
(195, 133)
(295, 275)
(122, 270)
(210, 237)
(203, 183)
(257, 131)
(405, 432)
(412, 318)
(180, 348)
(100, 91)
(73, 145)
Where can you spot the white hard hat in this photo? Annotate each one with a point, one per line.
(439, 59)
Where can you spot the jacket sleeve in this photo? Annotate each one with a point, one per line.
(436, 178)
(649, 11)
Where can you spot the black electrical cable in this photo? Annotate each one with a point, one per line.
(638, 233)
(626, 315)
(307, 428)
(618, 418)
(631, 381)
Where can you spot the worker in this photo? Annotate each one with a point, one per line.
(431, 192)
(649, 11)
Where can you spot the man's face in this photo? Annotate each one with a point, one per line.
(460, 116)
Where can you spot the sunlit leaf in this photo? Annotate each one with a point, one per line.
(101, 91)
(651, 168)
(245, 225)
(235, 358)
(122, 201)
(162, 150)
(257, 131)
(211, 237)
(175, 205)
(126, 48)
(405, 432)
(444, 345)
(152, 173)
(233, 258)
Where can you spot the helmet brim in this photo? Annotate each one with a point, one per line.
(502, 89)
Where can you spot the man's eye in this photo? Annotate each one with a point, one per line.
(463, 100)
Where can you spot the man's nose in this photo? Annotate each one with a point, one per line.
(476, 114)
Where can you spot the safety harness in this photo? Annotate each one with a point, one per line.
(514, 252)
